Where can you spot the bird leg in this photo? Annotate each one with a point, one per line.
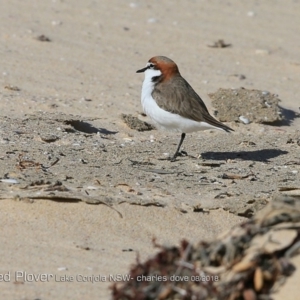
(178, 148)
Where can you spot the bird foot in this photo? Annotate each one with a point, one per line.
(181, 153)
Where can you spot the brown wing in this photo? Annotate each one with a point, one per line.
(188, 105)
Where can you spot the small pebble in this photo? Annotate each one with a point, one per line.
(133, 5)
(244, 120)
(55, 23)
(152, 138)
(127, 139)
(10, 180)
(262, 51)
(152, 20)
(49, 138)
(267, 104)
(90, 187)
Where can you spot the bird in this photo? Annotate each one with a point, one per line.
(172, 104)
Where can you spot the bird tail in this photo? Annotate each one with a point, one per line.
(212, 121)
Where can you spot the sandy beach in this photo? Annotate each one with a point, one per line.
(68, 72)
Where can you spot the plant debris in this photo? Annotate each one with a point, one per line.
(249, 262)
(294, 138)
(43, 38)
(236, 176)
(12, 88)
(219, 44)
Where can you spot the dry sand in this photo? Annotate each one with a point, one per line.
(88, 69)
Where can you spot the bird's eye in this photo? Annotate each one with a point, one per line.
(151, 66)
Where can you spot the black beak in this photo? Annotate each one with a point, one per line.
(142, 70)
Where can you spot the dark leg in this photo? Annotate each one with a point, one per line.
(178, 148)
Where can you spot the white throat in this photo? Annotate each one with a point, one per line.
(148, 84)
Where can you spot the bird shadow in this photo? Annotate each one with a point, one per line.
(288, 117)
(87, 127)
(258, 155)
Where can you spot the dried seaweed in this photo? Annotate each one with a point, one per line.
(248, 262)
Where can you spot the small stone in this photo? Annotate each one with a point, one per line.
(49, 138)
(244, 120)
(152, 20)
(262, 51)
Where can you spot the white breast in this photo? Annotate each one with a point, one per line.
(165, 119)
